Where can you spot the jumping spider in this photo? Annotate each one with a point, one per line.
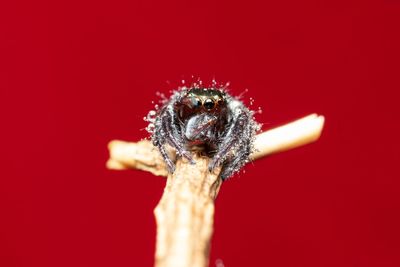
(207, 118)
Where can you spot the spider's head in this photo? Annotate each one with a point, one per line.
(200, 100)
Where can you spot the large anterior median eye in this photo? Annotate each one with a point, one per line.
(196, 102)
(209, 104)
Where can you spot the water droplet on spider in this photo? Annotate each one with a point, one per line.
(151, 116)
(150, 127)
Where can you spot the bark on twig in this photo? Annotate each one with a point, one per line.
(185, 212)
(185, 215)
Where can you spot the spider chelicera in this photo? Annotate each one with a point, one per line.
(209, 119)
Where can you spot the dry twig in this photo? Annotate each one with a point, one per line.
(186, 210)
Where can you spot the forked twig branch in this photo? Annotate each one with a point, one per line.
(185, 212)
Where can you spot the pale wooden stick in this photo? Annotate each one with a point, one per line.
(185, 212)
(185, 215)
(294, 134)
(143, 156)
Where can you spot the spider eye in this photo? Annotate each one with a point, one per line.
(196, 102)
(209, 104)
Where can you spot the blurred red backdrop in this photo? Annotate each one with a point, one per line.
(76, 74)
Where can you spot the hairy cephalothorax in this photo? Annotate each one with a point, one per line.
(209, 119)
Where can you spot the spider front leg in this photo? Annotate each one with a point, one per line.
(174, 134)
(168, 127)
(159, 144)
(237, 133)
(234, 164)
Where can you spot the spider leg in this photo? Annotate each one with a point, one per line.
(159, 139)
(170, 126)
(164, 154)
(238, 132)
(240, 159)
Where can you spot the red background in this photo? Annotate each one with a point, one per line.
(74, 75)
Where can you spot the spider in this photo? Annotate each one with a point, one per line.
(209, 119)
